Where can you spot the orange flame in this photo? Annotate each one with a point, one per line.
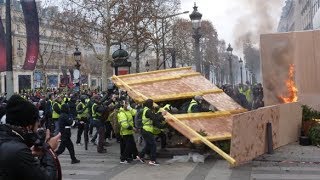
(292, 96)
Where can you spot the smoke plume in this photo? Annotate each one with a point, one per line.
(258, 20)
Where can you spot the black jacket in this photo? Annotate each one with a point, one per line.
(17, 162)
(72, 106)
(65, 120)
(156, 118)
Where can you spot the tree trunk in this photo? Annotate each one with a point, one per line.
(105, 64)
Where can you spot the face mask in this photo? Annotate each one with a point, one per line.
(128, 107)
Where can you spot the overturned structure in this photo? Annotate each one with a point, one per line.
(246, 130)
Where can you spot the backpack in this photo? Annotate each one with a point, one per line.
(138, 119)
(113, 118)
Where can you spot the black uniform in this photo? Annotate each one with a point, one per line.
(17, 161)
(65, 124)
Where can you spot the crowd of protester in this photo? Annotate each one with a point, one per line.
(249, 96)
(99, 117)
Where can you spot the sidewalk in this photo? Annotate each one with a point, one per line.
(288, 162)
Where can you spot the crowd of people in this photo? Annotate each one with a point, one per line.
(249, 96)
(32, 124)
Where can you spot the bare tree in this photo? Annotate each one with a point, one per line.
(90, 23)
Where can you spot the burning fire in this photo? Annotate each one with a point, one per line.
(292, 96)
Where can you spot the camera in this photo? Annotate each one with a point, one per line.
(41, 137)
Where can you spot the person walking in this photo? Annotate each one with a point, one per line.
(149, 121)
(82, 116)
(56, 110)
(97, 111)
(65, 124)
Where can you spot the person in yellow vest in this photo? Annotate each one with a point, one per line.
(66, 99)
(97, 111)
(160, 133)
(56, 110)
(246, 90)
(128, 148)
(195, 105)
(82, 116)
(149, 121)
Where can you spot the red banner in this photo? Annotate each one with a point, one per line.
(32, 26)
(3, 56)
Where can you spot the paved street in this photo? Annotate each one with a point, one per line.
(290, 162)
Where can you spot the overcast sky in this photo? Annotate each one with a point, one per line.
(224, 14)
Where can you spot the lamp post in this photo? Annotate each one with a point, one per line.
(195, 17)
(163, 35)
(147, 66)
(229, 51)
(241, 63)
(76, 72)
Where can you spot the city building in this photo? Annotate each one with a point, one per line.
(55, 60)
(299, 15)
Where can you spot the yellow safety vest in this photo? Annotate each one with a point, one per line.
(125, 119)
(95, 115)
(84, 113)
(192, 103)
(147, 122)
(55, 115)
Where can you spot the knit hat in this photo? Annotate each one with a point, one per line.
(21, 112)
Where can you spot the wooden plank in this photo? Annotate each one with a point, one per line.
(202, 139)
(177, 96)
(155, 72)
(202, 115)
(212, 138)
(163, 78)
(208, 114)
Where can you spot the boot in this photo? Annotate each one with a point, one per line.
(102, 151)
(75, 161)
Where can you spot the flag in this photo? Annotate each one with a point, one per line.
(3, 56)
(31, 19)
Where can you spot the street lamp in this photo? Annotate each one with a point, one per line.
(147, 66)
(195, 17)
(76, 72)
(229, 51)
(163, 35)
(241, 63)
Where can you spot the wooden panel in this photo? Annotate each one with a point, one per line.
(290, 123)
(304, 57)
(193, 82)
(222, 102)
(156, 74)
(249, 130)
(249, 133)
(162, 88)
(278, 51)
(214, 127)
(276, 56)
